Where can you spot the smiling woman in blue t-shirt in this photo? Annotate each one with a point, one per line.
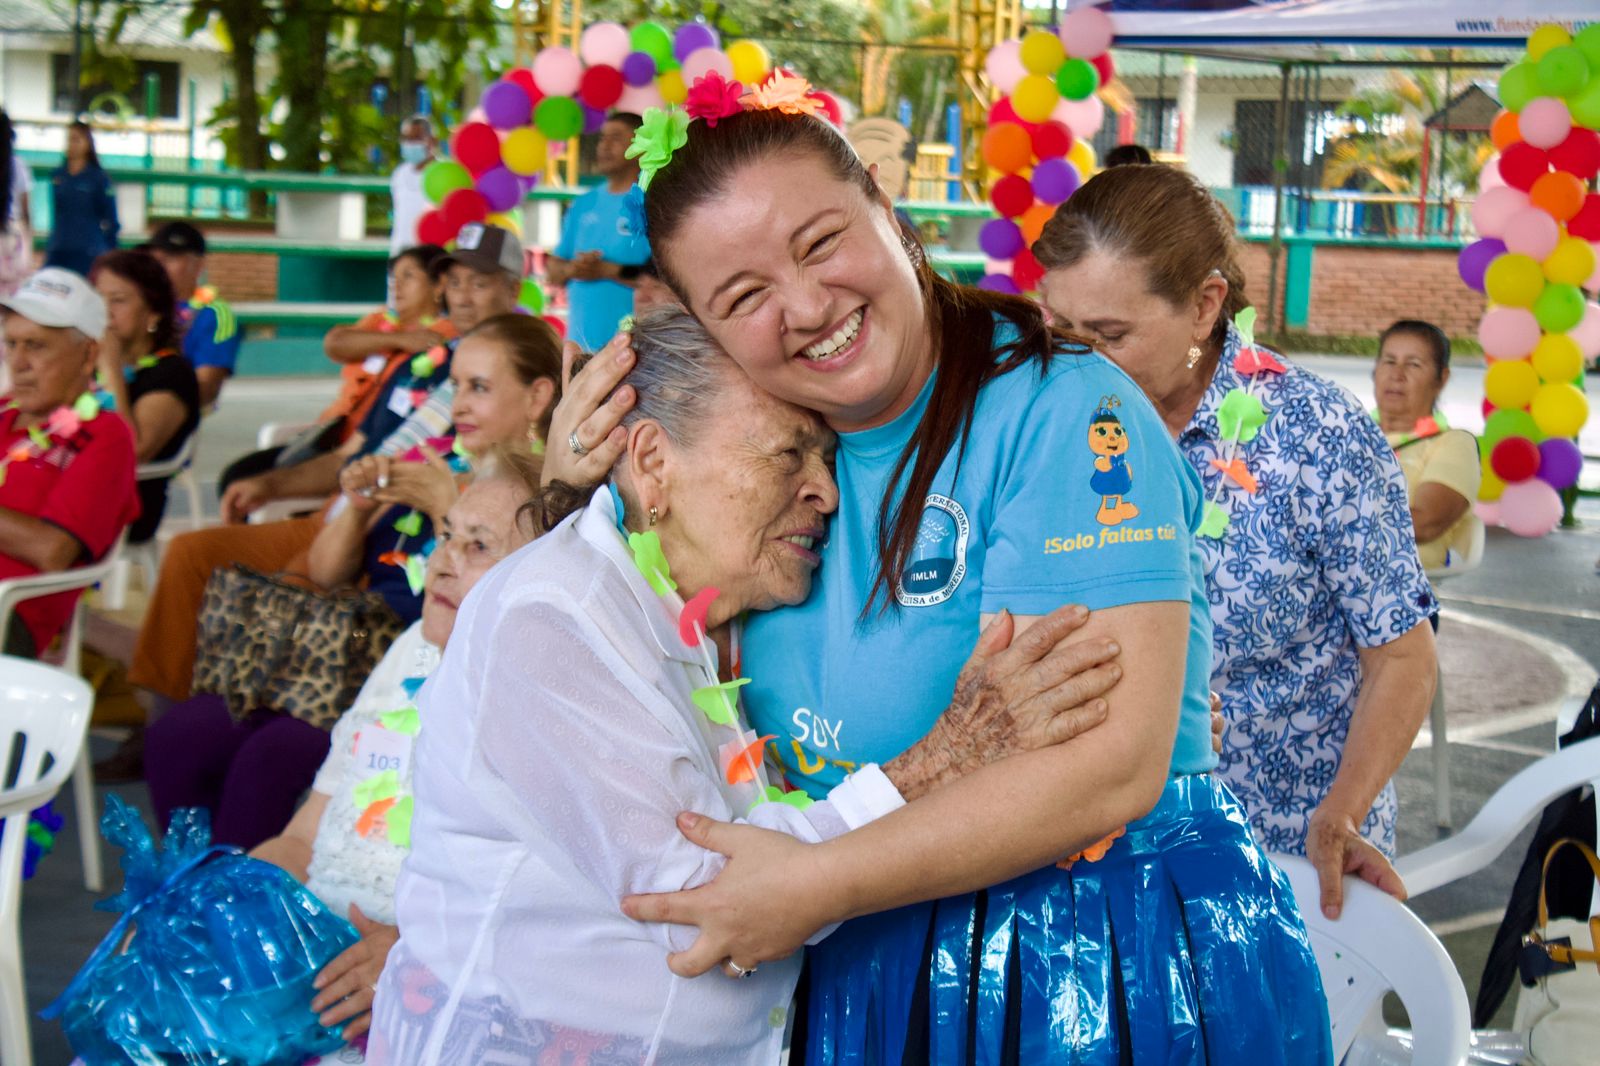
(973, 481)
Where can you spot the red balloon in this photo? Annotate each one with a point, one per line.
(1487, 408)
(1522, 164)
(1011, 195)
(1002, 111)
(1051, 140)
(477, 147)
(600, 87)
(434, 228)
(462, 206)
(1515, 459)
(1586, 223)
(830, 106)
(522, 77)
(1026, 271)
(557, 324)
(1579, 154)
(1102, 64)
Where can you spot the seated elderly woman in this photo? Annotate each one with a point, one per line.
(1441, 464)
(591, 694)
(66, 467)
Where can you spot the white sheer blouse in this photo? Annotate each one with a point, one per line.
(560, 744)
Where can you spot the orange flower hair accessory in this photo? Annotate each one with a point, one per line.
(784, 92)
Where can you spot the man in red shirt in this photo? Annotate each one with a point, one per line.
(67, 485)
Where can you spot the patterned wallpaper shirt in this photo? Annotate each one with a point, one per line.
(1320, 562)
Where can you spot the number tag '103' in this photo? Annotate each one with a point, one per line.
(379, 750)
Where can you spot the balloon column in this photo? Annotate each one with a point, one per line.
(1037, 142)
(1536, 254)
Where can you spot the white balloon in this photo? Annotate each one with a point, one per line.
(1489, 177)
(557, 72)
(1082, 117)
(1004, 65)
(605, 44)
(703, 60)
(639, 98)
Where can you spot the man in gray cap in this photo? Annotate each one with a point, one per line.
(66, 469)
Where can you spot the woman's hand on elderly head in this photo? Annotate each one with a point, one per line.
(1014, 696)
(361, 479)
(428, 486)
(346, 986)
(590, 412)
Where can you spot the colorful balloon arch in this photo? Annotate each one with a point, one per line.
(1536, 254)
(1037, 141)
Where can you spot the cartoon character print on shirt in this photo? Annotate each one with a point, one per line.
(939, 556)
(1112, 477)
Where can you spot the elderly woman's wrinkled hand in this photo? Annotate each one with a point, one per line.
(1335, 847)
(361, 479)
(428, 486)
(589, 415)
(346, 985)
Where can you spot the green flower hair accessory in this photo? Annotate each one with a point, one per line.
(663, 133)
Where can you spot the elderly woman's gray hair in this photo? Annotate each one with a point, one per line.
(677, 376)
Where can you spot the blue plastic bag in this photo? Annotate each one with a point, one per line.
(211, 962)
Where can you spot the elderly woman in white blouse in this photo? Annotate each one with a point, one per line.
(589, 696)
(347, 840)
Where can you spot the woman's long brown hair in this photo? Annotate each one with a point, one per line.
(961, 320)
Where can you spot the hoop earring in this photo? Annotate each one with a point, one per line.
(654, 515)
(913, 250)
(1194, 356)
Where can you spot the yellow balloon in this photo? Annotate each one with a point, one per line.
(1490, 488)
(507, 220)
(1513, 280)
(672, 88)
(524, 151)
(1042, 52)
(1510, 383)
(1034, 98)
(1081, 156)
(1559, 410)
(750, 60)
(1545, 38)
(1558, 358)
(1571, 263)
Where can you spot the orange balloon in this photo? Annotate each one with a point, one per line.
(1007, 147)
(1504, 131)
(1558, 194)
(1033, 220)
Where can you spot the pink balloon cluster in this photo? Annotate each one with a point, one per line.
(1534, 259)
(1037, 140)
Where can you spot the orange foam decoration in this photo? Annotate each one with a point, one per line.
(393, 558)
(371, 820)
(1237, 471)
(20, 454)
(1094, 852)
(742, 767)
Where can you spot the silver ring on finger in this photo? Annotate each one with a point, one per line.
(740, 972)
(576, 445)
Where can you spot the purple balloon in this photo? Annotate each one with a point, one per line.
(506, 106)
(639, 68)
(1001, 238)
(1475, 259)
(1560, 462)
(1054, 180)
(691, 37)
(500, 189)
(593, 118)
(999, 283)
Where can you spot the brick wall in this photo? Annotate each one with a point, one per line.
(1357, 291)
(243, 275)
(1255, 259)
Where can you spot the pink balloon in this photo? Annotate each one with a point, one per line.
(1086, 32)
(640, 98)
(1082, 117)
(1545, 122)
(996, 266)
(1587, 332)
(1004, 65)
(1532, 232)
(605, 44)
(1530, 508)
(704, 60)
(1492, 210)
(1508, 332)
(557, 72)
(1488, 512)
(1489, 177)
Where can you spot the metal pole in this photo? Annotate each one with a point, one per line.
(75, 66)
(189, 163)
(1280, 163)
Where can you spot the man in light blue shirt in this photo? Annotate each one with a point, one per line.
(599, 254)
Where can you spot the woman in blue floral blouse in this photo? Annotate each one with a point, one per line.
(1322, 651)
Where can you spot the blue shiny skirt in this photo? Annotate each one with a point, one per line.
(1182, 945)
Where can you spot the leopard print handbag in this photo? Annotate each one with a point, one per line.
(267, 643)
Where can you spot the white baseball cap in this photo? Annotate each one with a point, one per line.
(60, 298)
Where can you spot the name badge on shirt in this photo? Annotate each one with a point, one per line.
(374, 364)
(400, 402)
(380, 750)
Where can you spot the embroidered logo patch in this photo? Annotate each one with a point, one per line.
(939, 558)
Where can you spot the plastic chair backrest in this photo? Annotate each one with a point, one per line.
(45, 710)
(1375, 947)
(155, 470)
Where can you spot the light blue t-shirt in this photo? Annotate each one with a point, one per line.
(1029, 522)
(597, 222)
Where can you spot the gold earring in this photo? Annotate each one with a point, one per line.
(654, 514)
(1194, 356)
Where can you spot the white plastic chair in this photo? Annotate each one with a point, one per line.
(270, 435)
(147, 556)
(44, 714)
(1455, 565)
(1375, 947)
(15, 591)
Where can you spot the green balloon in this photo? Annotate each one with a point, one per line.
(1503, 424)
(1077, 79)
(1518, 85)
(1559, 308)
(558, 117)
(443, 177)
(532, 296)
(1563, 71)
(652, 37)
(1587, 41)
(1585, 104)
